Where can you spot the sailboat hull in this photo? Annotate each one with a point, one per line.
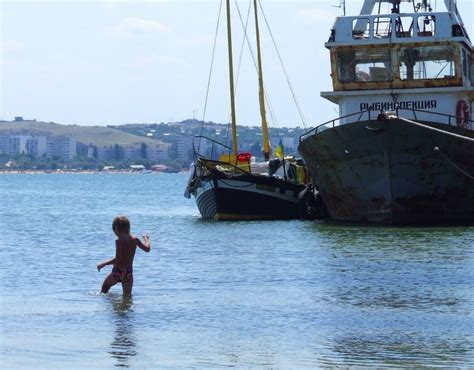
(247, 197)
(394, 172)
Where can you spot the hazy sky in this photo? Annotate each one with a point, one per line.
(113, 62)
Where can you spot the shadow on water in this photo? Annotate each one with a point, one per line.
(123, 346)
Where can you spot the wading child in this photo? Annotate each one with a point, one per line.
(125, 247)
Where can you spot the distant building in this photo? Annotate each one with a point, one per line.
(184, 148)
(157, 153)
(90, 151)
(17, 145)
(106, 153)
(64, 147)
(37, 146)
(4, 144)
(18, 119)
(132, 152)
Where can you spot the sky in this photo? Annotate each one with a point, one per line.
(115, 62)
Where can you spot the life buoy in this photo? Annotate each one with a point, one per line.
(462, 114)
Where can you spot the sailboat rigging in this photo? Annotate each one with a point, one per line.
(230, 187)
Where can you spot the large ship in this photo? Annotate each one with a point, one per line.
(402, 149)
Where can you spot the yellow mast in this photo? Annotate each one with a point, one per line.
(231, 80)
(261, 92)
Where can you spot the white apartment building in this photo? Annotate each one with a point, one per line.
(37, 146)
(17, 145)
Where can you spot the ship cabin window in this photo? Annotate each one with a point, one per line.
(361, 28)
(382, 27)
(363, 65)
(427, 62)
(426, 25)
(404, 26)
(467, 66)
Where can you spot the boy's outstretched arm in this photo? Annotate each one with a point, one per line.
(146, 246)
(105, 263)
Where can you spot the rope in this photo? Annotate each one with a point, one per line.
(211, 67)
(436, 149)
(437, 129)
(300, 112)
(268, 101)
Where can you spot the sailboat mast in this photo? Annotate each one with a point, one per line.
(261, 92)
(231, 80)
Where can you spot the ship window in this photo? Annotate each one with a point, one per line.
(382, 27)
(361, 28)
(426, 25)
(429, 62)
(404, 26)
(467, 65)
(364, 65)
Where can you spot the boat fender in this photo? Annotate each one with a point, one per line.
(462, 114)
(309, 203)
(190, 186)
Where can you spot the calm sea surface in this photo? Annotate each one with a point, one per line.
(233, 294)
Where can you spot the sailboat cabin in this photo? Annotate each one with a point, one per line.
(419, 60)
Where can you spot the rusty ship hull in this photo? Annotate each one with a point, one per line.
(394, 172)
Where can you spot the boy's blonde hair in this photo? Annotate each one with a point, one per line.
(121, 224)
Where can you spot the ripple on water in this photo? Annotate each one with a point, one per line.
(235, 294)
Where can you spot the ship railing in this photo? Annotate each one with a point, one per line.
(207, 147)
(332, 123)
(369, 113)
(211, 151)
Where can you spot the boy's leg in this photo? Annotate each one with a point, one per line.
(108, 283)
(127, 287)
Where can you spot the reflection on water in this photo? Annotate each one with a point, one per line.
(124, 343)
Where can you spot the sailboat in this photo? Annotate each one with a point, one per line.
(228, 186)
(402, 149)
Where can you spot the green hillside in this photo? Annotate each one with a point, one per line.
(95, 135)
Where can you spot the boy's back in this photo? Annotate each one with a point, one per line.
(125, 248)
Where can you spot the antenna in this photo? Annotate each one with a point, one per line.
(342, 4)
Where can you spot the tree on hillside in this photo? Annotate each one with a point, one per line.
(118, 152)
(256, 149)
(143, 148)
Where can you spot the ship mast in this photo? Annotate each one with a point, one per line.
(231, 80)
(261, 91)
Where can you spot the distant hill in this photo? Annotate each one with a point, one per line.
(95, 135)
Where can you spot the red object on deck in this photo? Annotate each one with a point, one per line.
(244, 157)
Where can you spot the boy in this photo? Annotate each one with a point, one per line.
(125, 247)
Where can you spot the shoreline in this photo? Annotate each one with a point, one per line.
(80, 172)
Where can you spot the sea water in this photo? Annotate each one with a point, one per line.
(282, 294)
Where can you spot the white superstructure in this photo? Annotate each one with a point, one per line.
(417, 60)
